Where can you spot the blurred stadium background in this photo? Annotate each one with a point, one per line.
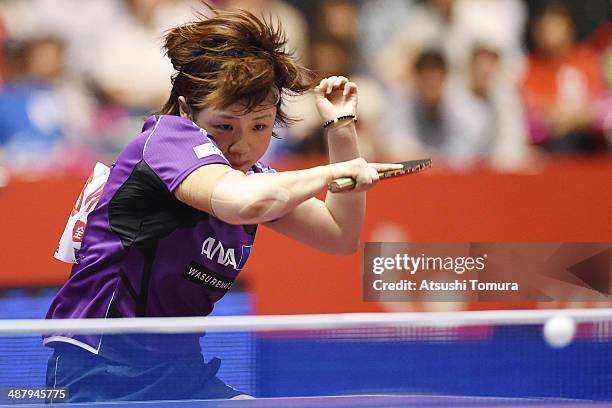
(511, 98)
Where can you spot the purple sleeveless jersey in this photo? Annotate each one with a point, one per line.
(145, 253)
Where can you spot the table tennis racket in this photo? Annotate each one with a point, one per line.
(409, 167)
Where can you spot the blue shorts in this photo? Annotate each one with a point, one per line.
(91, 378)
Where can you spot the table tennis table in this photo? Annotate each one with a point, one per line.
(358, 401)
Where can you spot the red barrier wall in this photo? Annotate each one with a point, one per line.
(567, 200)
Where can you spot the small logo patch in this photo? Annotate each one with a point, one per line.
(78, 231)
(199, 274)
(207, 149)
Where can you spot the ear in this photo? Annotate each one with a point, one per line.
(184, 108)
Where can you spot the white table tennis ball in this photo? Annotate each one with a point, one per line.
(559, 331)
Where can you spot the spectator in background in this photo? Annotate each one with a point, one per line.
(561, 85)
(14, 59)
(3, 72)
(134, 42)
(77, 22)
(426, 121)
(429, 25)
(453, 27)
(39, 109)
(601, 40)
(340, 20)
(456, 123)
(493, 111)
(586, 15)
(378, 24)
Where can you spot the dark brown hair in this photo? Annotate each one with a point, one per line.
(430, 59)
(232, 57)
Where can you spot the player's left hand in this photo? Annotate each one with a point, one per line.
(336, 96)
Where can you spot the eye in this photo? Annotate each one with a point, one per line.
(260, 127)
(224, 127)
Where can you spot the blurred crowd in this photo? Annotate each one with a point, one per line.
(464, 81)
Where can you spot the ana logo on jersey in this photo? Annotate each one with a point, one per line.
(214, 251)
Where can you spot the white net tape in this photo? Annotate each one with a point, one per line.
(295, 322)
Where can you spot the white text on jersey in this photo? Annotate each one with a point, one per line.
(212, 248)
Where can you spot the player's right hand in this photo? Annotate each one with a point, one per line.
(365, 174)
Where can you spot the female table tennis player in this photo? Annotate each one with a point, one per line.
(178, 215)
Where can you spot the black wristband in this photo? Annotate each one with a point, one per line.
(338, 119)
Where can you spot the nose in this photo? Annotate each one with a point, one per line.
(239, 146)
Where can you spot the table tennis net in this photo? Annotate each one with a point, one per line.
(493, 353)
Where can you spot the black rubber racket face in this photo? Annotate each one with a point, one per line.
(409, 167)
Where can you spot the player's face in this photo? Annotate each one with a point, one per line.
(243, 137)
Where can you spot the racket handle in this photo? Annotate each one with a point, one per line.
(340, 184)
(344, 183)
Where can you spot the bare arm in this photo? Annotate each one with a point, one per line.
(239, 199)
(334, 225)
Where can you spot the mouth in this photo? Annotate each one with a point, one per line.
(240, 164)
